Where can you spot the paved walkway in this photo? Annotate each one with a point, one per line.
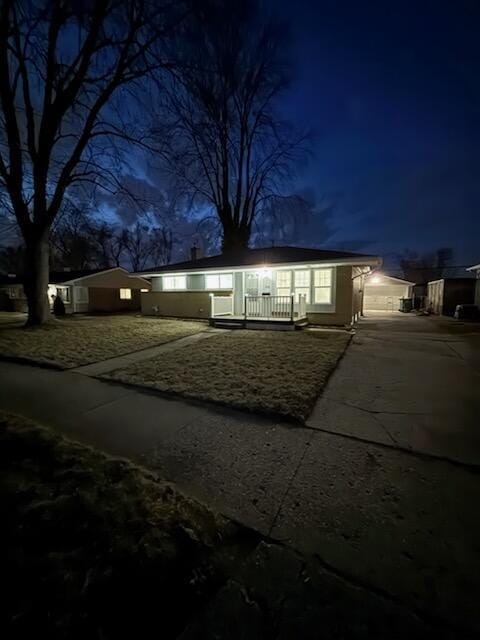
(401, 523)
(98, 368)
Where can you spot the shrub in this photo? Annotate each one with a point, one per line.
(58, 306)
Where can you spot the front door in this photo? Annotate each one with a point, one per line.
(258, 283)
(251, 283)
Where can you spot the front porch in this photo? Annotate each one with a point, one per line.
(259, 312)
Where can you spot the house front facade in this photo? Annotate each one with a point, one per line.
(87, 291)
(275, 284)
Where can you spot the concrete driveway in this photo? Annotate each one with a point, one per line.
(409, 382)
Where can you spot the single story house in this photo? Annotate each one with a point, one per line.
(286, 285)
(476, 270)
(444, 295)
(382, 292)
(12, 296)
(99, 290)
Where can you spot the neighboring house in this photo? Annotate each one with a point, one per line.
(100, 290)
(382, 292)
(476, 270)
(12, 296)
(444, 295)
(277, 285)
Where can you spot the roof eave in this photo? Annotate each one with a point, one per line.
(369, 261)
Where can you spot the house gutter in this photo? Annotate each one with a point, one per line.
(353, 262)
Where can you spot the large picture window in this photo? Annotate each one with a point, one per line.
(125, 294)
(322, 286)
(64, 293)
(284, 283)
(219, 281)
(174, 282)
(302, 284)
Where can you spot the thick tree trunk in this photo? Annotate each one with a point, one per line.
(36, 278)
(235, 238)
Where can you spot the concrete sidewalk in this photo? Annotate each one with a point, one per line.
(104, 366)
(392, 521)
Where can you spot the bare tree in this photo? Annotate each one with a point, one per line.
(426, 266)
(146, 246)
(109, 245)
(62, 64)
(224, 139)
(71, 242)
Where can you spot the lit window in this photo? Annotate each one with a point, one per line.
(174, 282)
(322, 282)
(143, 290)
(219, 281)
(284, 283)
(302, 285)
(63, 293)
(125, 294)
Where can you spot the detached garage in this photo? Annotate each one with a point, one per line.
(382, 293)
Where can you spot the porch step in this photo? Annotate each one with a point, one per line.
(259, 324)
(225, 324)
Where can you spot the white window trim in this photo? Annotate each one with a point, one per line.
(323, 287)
(179, 283)
(62, 289)
(128, 296)
(218, 282)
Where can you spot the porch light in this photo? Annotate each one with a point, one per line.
(266, 272)
(376, 280)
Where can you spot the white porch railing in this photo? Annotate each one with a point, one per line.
(275, 307)
(221, 305)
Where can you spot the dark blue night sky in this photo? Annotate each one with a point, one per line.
(392, 92)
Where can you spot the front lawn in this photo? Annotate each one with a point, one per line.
(276, 372)
(76, 341)
(94, 546)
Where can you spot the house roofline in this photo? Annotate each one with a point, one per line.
(97, 273)
(401, 280)
(371, 261)
(476, 267)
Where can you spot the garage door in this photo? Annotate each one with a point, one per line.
(380, 303)
(384, 297)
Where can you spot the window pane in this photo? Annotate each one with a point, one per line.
(283, 292)
(174, 282)
(125, 294)
(212, 281)
(226, 281)
(284, 279)
(63, 293)
(303, 291)
(323, 277)
(323, 295)
(302, 279)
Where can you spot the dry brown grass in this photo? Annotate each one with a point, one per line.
(268, 371)
(71, 342)
(94, 546)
